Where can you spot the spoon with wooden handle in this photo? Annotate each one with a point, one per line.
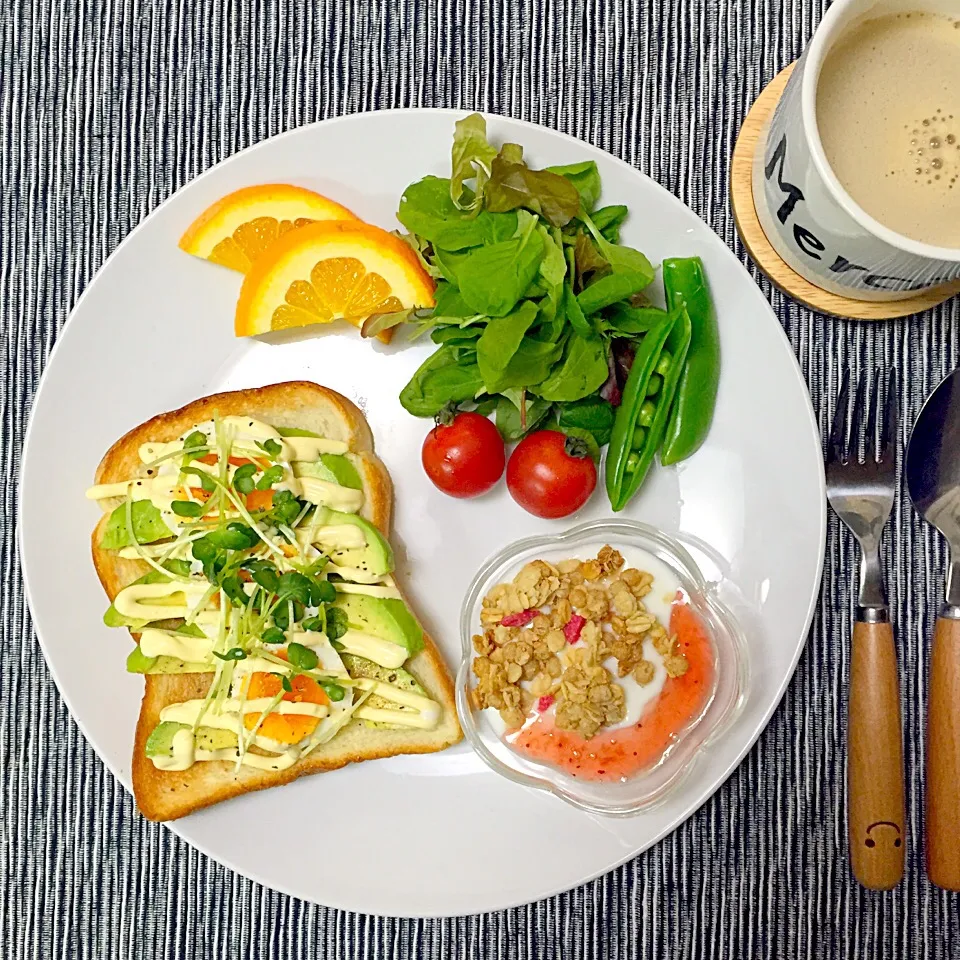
(933, 479)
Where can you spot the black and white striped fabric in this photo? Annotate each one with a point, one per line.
(106, 108)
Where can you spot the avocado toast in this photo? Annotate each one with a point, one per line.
(244, 545)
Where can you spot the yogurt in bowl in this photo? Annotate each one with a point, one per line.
(597, 663)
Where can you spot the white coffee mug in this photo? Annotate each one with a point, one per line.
(810, 220)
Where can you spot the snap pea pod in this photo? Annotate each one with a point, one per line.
(686, 285)
(642, 415)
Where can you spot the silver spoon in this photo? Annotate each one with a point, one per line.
(933, 479)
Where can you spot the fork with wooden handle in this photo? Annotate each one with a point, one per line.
(861, 491)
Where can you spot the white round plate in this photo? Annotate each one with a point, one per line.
(439, 834)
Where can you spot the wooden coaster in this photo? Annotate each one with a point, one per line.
(769, 261)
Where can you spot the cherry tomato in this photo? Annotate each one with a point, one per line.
(551, 475)
(464, 457)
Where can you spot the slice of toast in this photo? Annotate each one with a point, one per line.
(166, 795)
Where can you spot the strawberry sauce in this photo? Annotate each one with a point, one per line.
(618, 754)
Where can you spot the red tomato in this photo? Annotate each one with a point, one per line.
(465, 457)
(551, 475)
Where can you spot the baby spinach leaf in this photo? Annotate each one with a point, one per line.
(444, 377)
(148, 526)
(621, 318)
(456, 334)
(611, 289)
(486, 405)
(585, 177)
(551, 320)
(553, 266)
(509, 421)
(593, 414)
(449, 302)
(531, 364)
(427, 210)
(582, 372)
(493, 278)
(621, 259)
(573, 313)
(513, 184)
(449, 262)
(608, 220)
(471, 158)
(587, 261)
(501, 338)
(553, 270)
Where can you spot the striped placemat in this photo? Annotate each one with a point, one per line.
(106, 108)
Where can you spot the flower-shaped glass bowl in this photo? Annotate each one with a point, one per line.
(720, 705)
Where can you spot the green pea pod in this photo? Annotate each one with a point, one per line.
(662, 352)
(686, 285)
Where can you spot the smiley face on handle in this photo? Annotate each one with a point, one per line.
(871, 841)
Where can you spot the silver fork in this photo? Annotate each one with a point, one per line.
(861, 491)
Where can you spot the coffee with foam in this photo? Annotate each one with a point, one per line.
(888, 114)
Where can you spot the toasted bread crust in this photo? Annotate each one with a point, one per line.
(166, 795)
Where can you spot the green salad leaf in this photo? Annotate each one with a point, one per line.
(501, 339)
(513, 185)
(586, 178)
(530, 365)
(443, 378)
(450, 304)
(517, 414)
(593, 414)
(427, 210)
(582, 371)
(625, 320)
(608, 221)
(588, 263)
(611, 289)
(621, 259)
(471, 158)
(493, 278)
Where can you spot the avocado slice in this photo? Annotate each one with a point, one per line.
(376, 558)
(388, 619)
(345, 472)
(114, 618)
(401, 679)
(160, 741)
(137, 662)
(145, 520)
(332, 467)
(296, 432)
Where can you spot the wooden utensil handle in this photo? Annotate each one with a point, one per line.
(943, 757)
(875, 759)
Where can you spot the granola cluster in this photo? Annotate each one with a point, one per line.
(547, 634)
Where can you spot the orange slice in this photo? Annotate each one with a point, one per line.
(331, 271)
(236, 229)
(284, 727)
